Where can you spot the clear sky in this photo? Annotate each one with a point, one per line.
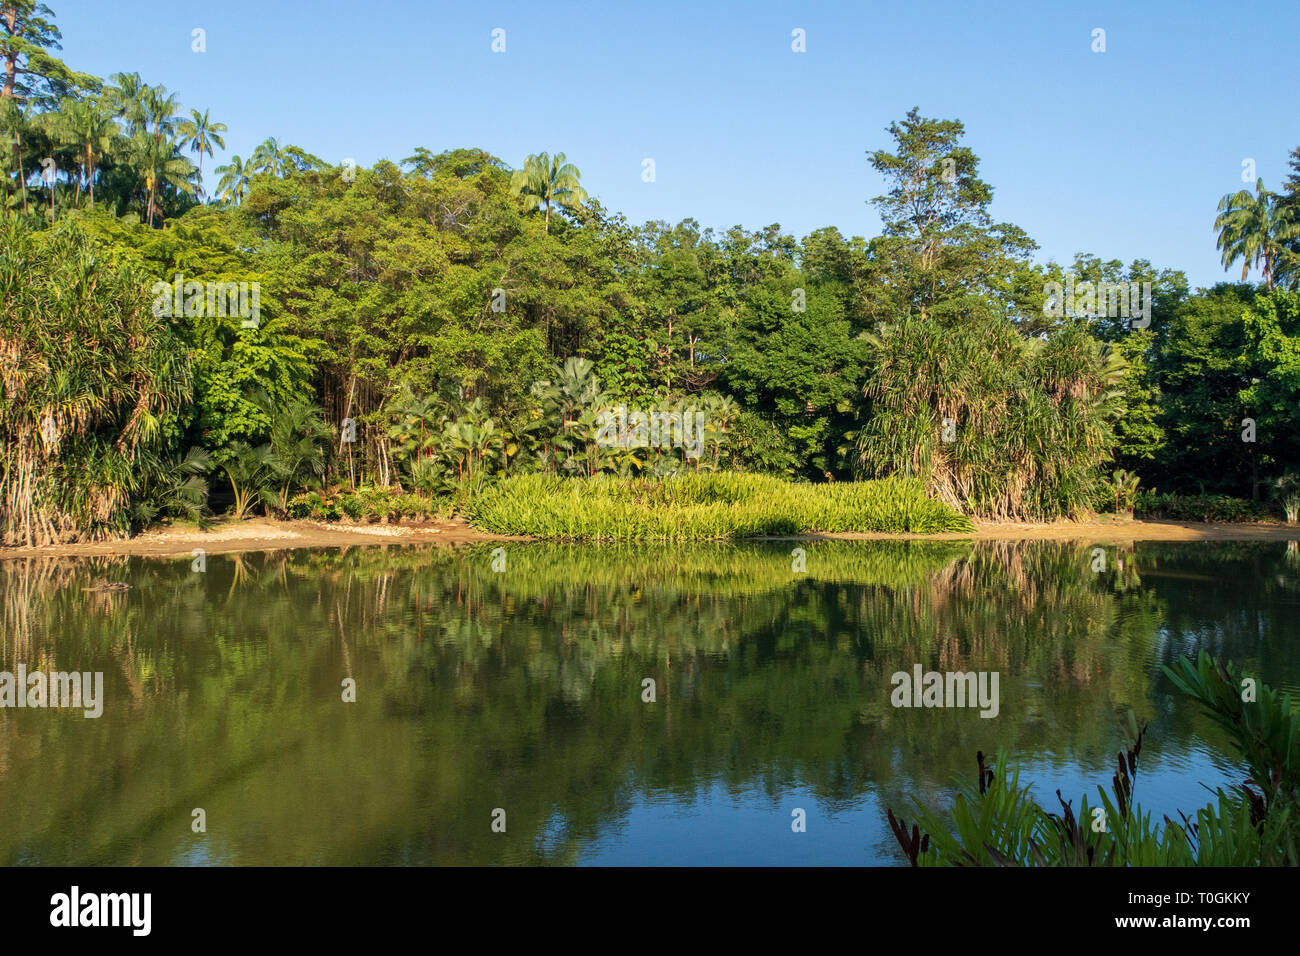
(1123, 154)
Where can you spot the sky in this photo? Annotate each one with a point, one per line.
(1123, 153)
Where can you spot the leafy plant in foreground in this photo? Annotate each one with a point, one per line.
(998, 823)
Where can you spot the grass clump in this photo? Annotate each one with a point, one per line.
(704, 507)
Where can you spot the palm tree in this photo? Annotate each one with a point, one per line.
(234, 180)
(160, 111)
(1255, 229)
(144, 108)
(201, 133)
(269, 157)
(13, 122)
(252, 474)
(126, 100)
(544, 180)
(89, 127)
(160, 163)
(298, 439)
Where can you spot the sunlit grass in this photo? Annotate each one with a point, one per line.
(704, 507)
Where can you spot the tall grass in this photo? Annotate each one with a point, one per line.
(704, 507)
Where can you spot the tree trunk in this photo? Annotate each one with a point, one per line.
(22, 176)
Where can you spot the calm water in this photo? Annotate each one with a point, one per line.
(522, 690)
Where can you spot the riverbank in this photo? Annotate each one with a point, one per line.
(265, 534)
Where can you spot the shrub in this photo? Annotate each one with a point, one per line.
(301, 506)
(314, 505)
(1151, 504)
(352, 506)
(384, 503)
(412, 506)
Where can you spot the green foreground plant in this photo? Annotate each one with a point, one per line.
(1257, 823)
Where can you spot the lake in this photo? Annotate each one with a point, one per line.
(512, 690)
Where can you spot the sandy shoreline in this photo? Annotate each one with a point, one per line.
(262, 534)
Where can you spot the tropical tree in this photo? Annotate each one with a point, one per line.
(160, 164)
(940, 252)
(298, 439)
(141, 107)
(235, 176)
(160, 111)
(544, 181)
(87, 126)
(31, 72)
(422, 162)
(126, 99)
(91, 383)
(13, 131)
(1255, 229)
(996, 424)
(253, 476)
(201, 134)
(269, 157)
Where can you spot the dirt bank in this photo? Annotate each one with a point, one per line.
(262, 534)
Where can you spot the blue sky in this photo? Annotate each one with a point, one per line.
(1123, 154)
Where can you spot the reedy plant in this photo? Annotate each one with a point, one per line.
(1287, 492)
(996, 822)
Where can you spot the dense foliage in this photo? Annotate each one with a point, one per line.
(431, 325)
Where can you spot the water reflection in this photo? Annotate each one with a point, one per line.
(523, 690)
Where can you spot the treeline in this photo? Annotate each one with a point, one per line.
(427, 325)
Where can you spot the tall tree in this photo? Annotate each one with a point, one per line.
(201, 134)
(545, 180)
(269, 157)
(14, 126)
(1255, 229)
(234, 181)
(159, 163)
(939, 242)
(87, 126)
(31, 72)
